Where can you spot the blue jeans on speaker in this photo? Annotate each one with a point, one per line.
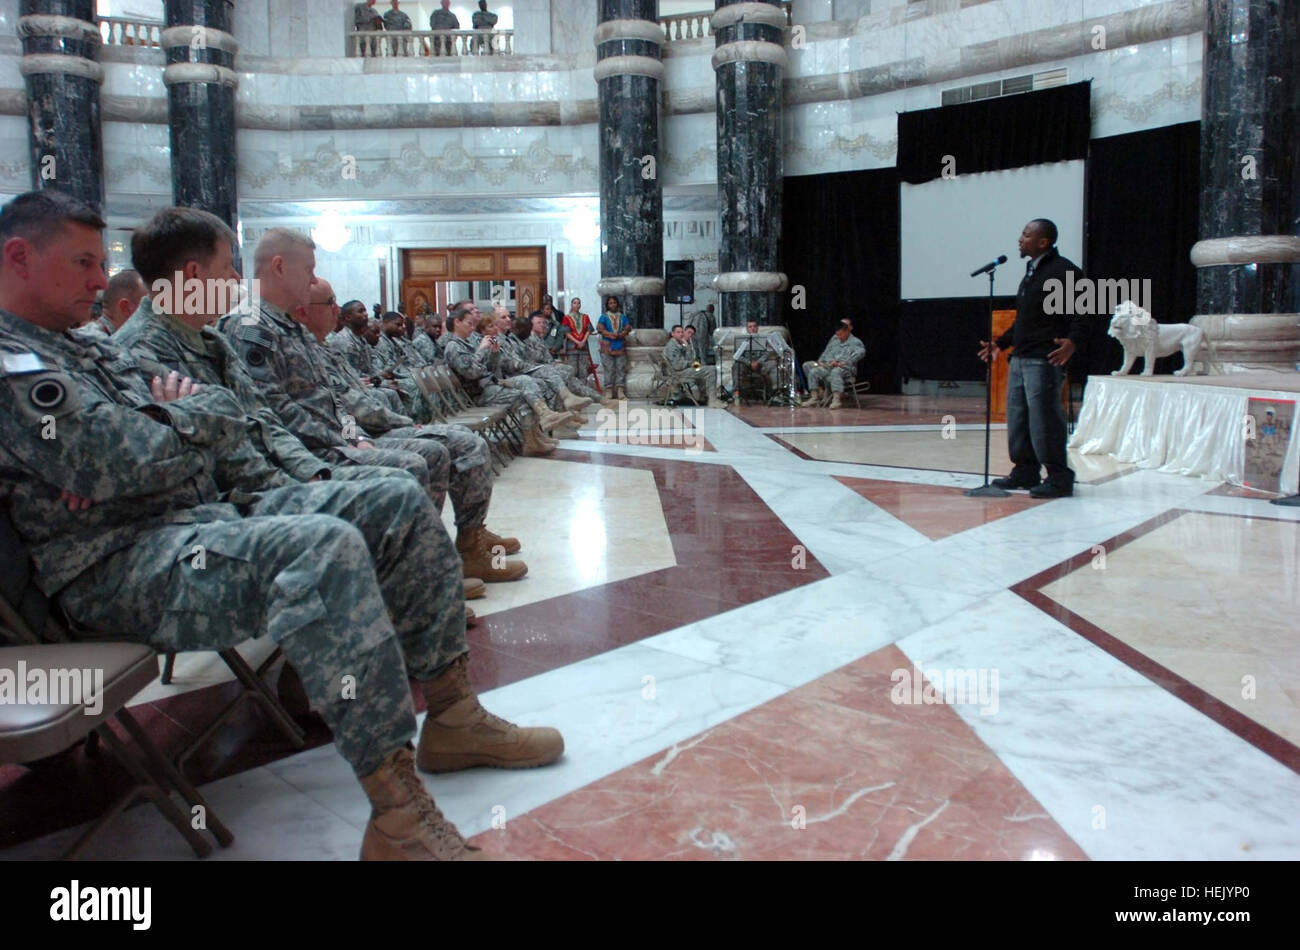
(1036, 422)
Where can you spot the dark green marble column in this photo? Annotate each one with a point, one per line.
(60, 42)
(629, 75)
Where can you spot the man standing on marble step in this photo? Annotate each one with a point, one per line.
(112, 509)
(471, 364)
(1043, 345)
(836, 368)
(125, 290)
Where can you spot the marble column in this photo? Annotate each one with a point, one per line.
(629, 74)
(749, 62)
(200, 80)
(1250, 170)
(60, 42)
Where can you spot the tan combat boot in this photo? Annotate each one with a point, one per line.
(572, 401)
(475, 588)
(405, 824)
(478, 557)
(534, 445)
(510, 544)
(835, 401)
(458, 733)
(546, 418)
(622, 392)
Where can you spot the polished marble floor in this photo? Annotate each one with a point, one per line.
(778, 634)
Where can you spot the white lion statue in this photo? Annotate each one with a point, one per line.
(1140, 335)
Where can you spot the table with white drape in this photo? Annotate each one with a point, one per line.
(1184, 428)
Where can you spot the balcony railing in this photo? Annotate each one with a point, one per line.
(413, 43)
(693, 26)
(117, 31)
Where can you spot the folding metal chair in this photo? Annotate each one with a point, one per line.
(27, 612)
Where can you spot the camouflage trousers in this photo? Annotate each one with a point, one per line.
(391, 397)
(336, 573)
(697, 381)
(469, 481)
(613, 370)
(427, 462)
(413, 403)
(744, 375)
(492, 394)
(576, 380)
(835, 377)
(535, 388)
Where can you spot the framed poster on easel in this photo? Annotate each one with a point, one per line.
(1269, 424)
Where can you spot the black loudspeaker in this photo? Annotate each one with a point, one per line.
(679, 282)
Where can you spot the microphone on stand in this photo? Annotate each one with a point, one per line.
(1002, 259)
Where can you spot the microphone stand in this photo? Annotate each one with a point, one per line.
(986, 490)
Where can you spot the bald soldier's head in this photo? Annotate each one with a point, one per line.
(284, 263)
(125, 291)
(321, 313)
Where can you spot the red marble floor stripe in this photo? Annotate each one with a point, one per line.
(935, 510)
(1236, 722)
(833, 770)
(731, 550)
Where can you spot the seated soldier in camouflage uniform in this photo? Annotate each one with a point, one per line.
(758, 357)
(680, 359)
(391, 358)
(138, 527)
(515, 362)
(836, 367)
(125, 288)
(472, 364)
(288, 367)
(199, 246)
(349, 341)
(511, 333)
(471, 474)
(428, 327)
(510, 371)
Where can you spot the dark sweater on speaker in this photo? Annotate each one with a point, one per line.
(1034, 330)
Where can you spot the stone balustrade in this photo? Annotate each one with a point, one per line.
(417, 43)
(119, 31)
(694, 26)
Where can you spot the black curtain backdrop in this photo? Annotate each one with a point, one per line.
(939, 337)
(1051, 125)
(1143, 206)
(840, 243)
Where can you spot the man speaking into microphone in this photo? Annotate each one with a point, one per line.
(1043, 343)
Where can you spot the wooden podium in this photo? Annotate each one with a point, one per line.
(1002, 320)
